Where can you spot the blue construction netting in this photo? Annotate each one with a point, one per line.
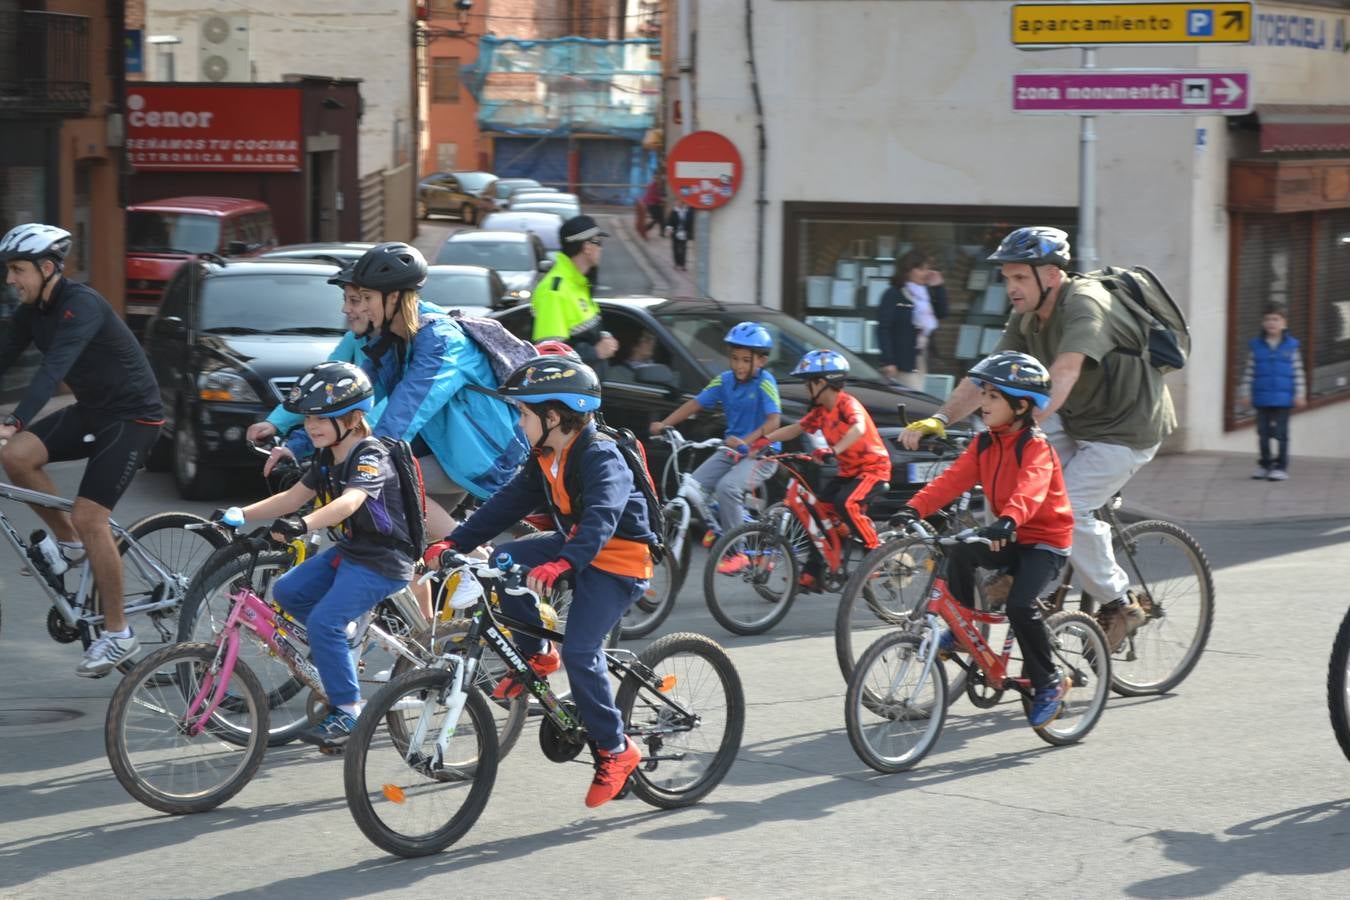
(566, 86)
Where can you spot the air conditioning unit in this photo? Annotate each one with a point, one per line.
(222, 49)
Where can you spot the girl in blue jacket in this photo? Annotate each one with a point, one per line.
(1272, 382)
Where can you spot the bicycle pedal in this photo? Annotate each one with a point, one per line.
(329, 750)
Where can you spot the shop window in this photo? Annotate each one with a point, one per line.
(839, 259)
(1301, 260)
(445, 79)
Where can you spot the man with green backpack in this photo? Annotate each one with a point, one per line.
(1107, 345)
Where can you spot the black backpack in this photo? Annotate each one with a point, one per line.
(635, 455)
(411, 490)
(986, 440)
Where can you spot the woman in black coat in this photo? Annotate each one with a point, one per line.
(907, 317)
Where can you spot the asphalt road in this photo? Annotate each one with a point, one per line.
(1233, 786)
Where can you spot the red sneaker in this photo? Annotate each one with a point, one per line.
(544, 664)
(807, 582)
(611, 773)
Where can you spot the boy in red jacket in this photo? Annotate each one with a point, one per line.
(1024, 485)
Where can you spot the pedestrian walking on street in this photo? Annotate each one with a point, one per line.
(1273, 382)
(680, 227)
(653, 200)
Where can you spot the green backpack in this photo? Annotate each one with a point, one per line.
(1165, 338)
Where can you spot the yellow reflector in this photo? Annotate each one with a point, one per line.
(928, 564)
(548, 616)
(448, 588)
(667, 684)
(394, 794)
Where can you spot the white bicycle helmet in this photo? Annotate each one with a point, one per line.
(34, 242)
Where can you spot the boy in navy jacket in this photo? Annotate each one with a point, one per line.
(1272, 382)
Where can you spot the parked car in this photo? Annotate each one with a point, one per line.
(543, 195)
(477, 290)
(689, 352)
(455, 194)
(332, 251)
(164, 234)
(519, 258)
(564, 211)
(502, 190)
(226, 344)
(544, 225)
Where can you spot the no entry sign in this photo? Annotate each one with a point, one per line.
(704, 170)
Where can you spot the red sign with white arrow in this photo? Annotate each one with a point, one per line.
(1150, 92)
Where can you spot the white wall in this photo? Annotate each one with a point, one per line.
(885, 102)
(366, 39)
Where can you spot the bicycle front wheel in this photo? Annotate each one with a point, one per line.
(1170, 577)
(687, 718)
(148, 739)
(1338, 686)
(406, 795)
(880, 595)
(750, 579)
(203, 617)
(1078, 648)
(896, 703)
(656, 602)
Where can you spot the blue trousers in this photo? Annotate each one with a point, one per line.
(326, 593)
(1272, 424)
(598, 603)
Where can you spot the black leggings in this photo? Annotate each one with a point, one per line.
(1033, 570)
(115, 448)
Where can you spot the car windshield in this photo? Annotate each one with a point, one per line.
(457, 289)
(150, 232)
(272, 303)
(702, 333)
(474, 181)
(504, 256)
(507, 188)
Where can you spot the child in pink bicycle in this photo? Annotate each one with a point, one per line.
(356, 479)
(1024, 486)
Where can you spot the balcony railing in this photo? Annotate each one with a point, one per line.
(44, 62)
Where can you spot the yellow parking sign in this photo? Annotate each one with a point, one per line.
(1097, 24)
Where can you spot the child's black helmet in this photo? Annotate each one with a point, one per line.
(331, 389)
(565, 379)
(1014, 373)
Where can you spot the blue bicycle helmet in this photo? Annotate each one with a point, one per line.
(561, 378)
(331, 389)
(750, 335)
(1014, 373)
(1038, 245)
(825, 364)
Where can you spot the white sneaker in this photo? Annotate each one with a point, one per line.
(1261, 474)
(1278, 475)
(105, 653)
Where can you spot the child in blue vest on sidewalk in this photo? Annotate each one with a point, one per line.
(1273, 383)
(748, 395)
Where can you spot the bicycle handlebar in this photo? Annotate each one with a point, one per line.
(965, 536)
(679, 442)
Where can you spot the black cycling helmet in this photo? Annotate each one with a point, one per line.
(1014, 373)
(329, 390)
(394, 266)
(1039, 245)
(567, 380)
(343, 277)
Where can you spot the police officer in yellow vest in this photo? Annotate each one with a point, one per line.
(562, 304)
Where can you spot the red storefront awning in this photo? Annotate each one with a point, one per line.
(1303, 127)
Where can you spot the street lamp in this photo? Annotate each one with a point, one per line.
(166, 43)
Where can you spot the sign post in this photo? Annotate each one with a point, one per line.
(1038, 26)
(703, 170)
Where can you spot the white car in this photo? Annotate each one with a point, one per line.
(545, 225)
(520, 258)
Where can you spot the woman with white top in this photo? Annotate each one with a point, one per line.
(909, 314)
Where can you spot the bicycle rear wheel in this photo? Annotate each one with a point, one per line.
(1079, 649)
(687, 748)
(1338, 686)
(1170, 577)
(893, 710)
(406, 797)
(203, 616)
(757, 594)
(148, 746)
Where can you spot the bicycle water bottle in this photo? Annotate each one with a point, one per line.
(233, 518)
(51, 554)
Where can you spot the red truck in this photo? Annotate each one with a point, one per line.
(164, 234)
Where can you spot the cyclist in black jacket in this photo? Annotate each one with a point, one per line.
(114, 421)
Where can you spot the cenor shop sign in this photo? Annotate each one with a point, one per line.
(217, 129)
(1097, 24)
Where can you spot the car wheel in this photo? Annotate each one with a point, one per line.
(160, 457)
(468, 213)
(422, 211)
(194, 481)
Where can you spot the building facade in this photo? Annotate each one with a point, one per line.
(890, 125)
(370, 41)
